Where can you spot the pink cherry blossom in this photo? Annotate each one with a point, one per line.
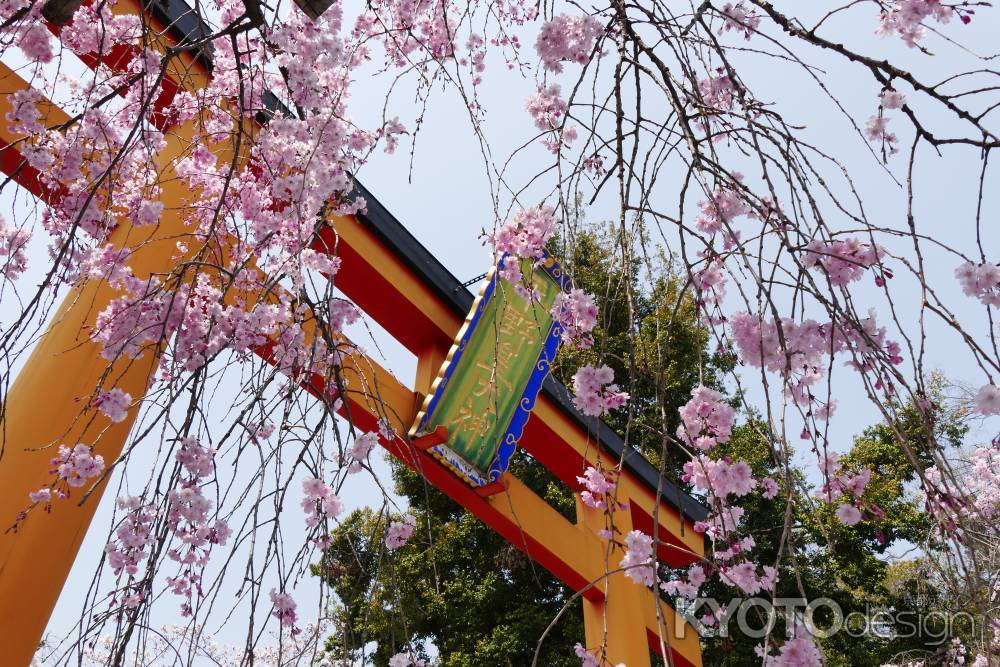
(717, 92)
(740, 18)
(719, 478)
(987, 400)
(526, 235)
(36, 42)
(597, 488)
(840, 482)
(359, 450)
(576, 313)
(981, 281)
(800, 356)
(197, 460)
(748, 577)
(719, 211)
(769, 488)
(567, 38)
(587, 659)
(546, 108)
(393, 128)
(133, 536)
(706, 420)
(284, 607)
(876, 130)
(892, 99)
(406, 659)
(13, 243)
(320, 501)
(399, 532)
(848, 514)
(43, 495)
(114, 404)
(595, 391)
(638, 560)
(905, 19)
(799, 651)
(77, 465)
(842, 261)
(149, 213)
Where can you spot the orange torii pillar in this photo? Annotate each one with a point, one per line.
(44, 405)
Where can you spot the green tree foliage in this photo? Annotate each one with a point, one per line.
(660, 352)
(456, 584)
(847, 564)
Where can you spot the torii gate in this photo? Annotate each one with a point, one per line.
(399, 284)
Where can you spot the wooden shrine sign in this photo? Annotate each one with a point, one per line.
(487, 385)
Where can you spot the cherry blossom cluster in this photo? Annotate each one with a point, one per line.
(74, 466)
(284, 609)
(595, 391)
(740, 18)
(719, 211)
(399, 532)
(114, 404)
(892, 99)
(358, 451)
(799, 651)
(979, 501)
(202, 326)
(844, 261)
(717, 92)
(748, 577)
(710, 285)
(980, 281)
(189, 521)
(877, 129)
(319, 501)
(548, 110)
(706, 419)
(688, 586)
(598, 488)
(413, 30)
(987, 400)
(525, 236)
(639, 562)
(13, 242)
(406, 659)
(304, 647)
(719, 477)
(723, 480)
(588, 659)
(807, 343)
(841, 485)
(984, 488)
(576, 314)
(769, 488)
(905, 18)
(567, 38)
(132, 537)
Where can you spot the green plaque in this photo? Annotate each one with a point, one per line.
(487, 386)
